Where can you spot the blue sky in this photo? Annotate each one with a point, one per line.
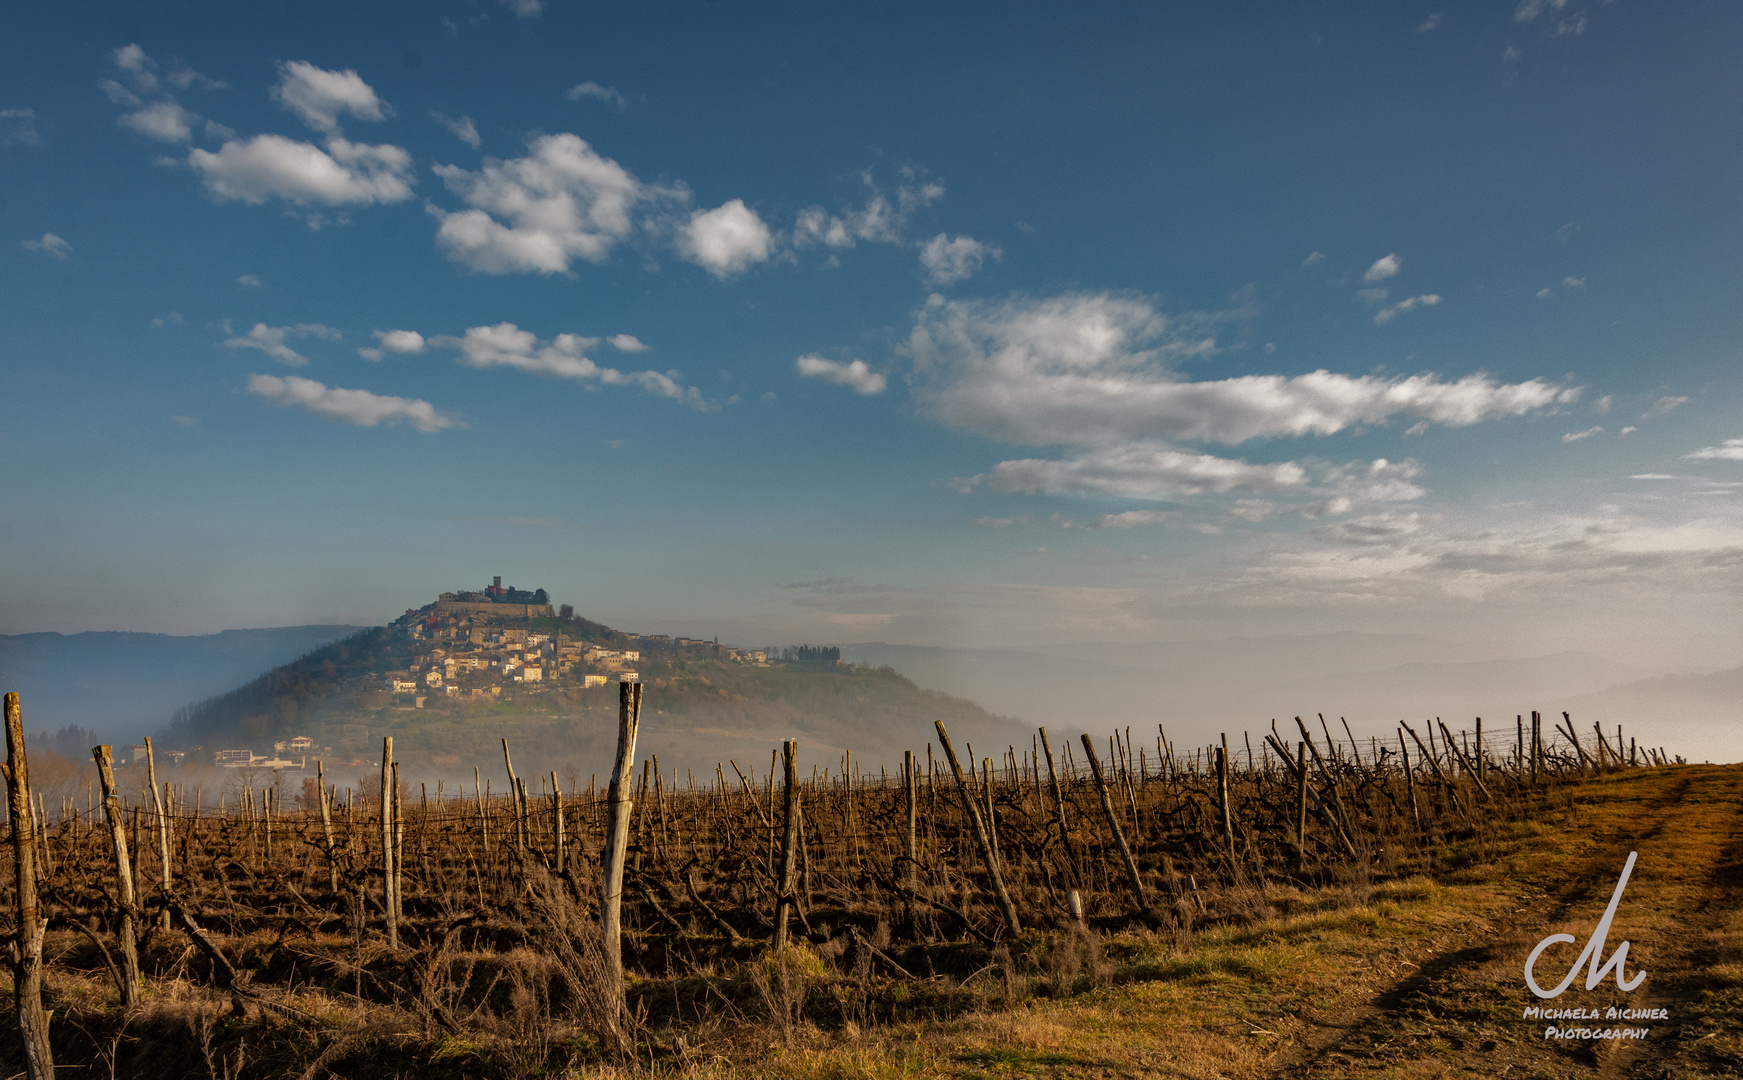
(959, 324)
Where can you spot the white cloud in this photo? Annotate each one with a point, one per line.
(1567, 232)
(1730, 450)
(1140, 470)
(524, 9)
(133, 60)
(1089, 368)
(1531, 9)
(252, 281)
(1576, 436)
(1131, 519)
(1313, 259)
(1430, 23)
(1603, 404)
(1652, 476)
(174, 318)
(1372, 529)
(1544, 292)
(1512, 54)
(1254, 510)
(51, 245)
(272, 166)
(1661, 406)
(1573, 282)
(591, 89)
(18, 126)
(358, 407)
(165, 121)
(949, 261)
(1350, 487)
(1383, 269)
(564, 356)
(186, 421)
(725, 240)
(855, 374)
(1401, 558)
(561, 202)
(318, 97)
(1628, 431)
(878, 221)
(270, 340)
(1387, 314)
(460, 127)
(627, 343)
(402, 342)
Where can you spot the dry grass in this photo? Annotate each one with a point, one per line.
(1401, 964)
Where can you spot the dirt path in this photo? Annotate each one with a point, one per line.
(1456, 1006)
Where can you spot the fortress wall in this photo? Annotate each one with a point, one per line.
(505, 611)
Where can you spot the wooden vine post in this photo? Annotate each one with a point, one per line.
(1107, 806)
(390, 908)
(619, 804)
(162, 828)
(784, 893)
(128, 902)
(327, 826)
(988, 857)
(27, 952)
(515, 801)
(1300, 806)
(1410, 782)
(1222, 798)
(910, 799)
(1059, 807)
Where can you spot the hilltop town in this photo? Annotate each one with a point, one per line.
(480, 643)
(496, 649)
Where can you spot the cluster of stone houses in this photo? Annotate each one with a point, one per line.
(477, 651)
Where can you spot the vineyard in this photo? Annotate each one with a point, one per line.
(651, 922)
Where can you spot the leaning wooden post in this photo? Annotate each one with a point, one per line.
(1451, 792)
(129, 904)
(1410, 782)
(910, 795)
(1300, 806)
(970, 811)
(619, 804)
(1059, 806)
(1107, 806)
(162, 827)
(27, 947)
(1222, 798)
(515, 803)
(387, 845)
(785, 898)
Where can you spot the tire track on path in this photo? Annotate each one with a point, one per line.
(1459, 1012)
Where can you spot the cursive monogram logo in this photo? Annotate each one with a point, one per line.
(1594, 949)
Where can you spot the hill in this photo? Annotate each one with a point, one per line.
(117, 684)
(449, 688)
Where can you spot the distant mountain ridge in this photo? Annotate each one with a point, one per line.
(122, 684)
